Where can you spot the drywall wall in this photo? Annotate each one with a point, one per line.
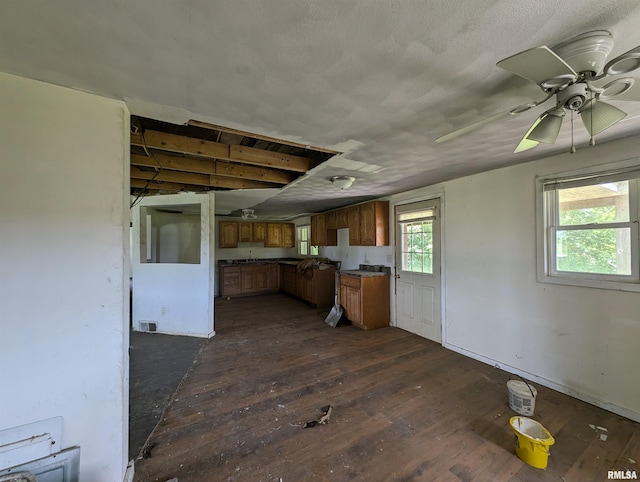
(178, 297)
(582, 341)
(352, 257)
(64, 268)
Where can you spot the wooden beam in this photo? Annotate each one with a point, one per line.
(200, 179)
(215, 150)
(240, 171)
(165, 186)
(175, 163)
(220, 168)
(171, 176)
(235, 183)
(251, 155)
(238, 132)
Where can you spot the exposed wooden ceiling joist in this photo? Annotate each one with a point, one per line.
(199, 179)
(215, 150)
(220, 168)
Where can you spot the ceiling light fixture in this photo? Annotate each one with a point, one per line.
(342, 182)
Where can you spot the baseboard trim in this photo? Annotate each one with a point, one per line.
(572, 392)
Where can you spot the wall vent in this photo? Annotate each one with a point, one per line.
(148, 326)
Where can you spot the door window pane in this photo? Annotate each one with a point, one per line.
(417, 246)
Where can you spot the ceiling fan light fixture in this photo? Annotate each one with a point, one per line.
(548, 128)
(343, 182)
(600, 116)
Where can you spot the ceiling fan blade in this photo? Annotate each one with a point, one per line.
(632, 93)
(538, 65)
(600, 116)
(624, 63)
(525, 143)
(473, 126)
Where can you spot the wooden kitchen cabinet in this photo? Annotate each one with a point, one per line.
(245, 232)
(374, 223)
(259, 232)
(354, 225)
(330, 220)
(289, 279)
(274, 235)
(229, 280)
(248, 279)
(288, 235)
(228, 234)
(320, 234)
(342, 218)
(365, 300)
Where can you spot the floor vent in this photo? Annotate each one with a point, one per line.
(148, 326)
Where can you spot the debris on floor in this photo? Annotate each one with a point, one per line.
(322, 420)
(146, 453)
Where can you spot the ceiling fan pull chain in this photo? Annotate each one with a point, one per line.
(592, 141)
(573, 146)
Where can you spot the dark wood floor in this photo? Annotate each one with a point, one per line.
(404, 408)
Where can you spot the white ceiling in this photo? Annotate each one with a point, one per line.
(377, 80)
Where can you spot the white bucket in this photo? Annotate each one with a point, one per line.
(522, 397)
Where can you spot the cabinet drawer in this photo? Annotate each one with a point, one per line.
(353, 281)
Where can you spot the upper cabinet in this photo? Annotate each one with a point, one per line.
(228, 234)
(288, 235)
(374, 223)
(259, 232)
(321, 233)
(368, 225)
(245, 232)
(273, 235)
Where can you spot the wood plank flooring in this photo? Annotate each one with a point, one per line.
(404, 409)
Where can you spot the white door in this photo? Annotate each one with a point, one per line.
(417, 270)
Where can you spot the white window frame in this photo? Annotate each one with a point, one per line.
(546, 223)
(311, 250)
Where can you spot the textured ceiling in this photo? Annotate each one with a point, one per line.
(379, 81)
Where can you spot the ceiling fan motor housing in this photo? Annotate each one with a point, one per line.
(574, 96)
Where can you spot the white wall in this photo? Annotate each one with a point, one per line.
(64, 166)
(582, 341)
(353, 256)
(176, 296)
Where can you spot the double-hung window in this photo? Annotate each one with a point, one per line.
(591, 229)
(304, 240)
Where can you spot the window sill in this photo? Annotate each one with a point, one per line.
(633, 286)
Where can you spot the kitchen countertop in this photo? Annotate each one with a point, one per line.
(362, 273)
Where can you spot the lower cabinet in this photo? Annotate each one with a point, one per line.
(315, 286)
(365, 300)
(249, 279)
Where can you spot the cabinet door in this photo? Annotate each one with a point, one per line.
(354, 304)
(229, 280)
(342, 218)
(228, 234)
(248, 279)
(330, 220)
(273, 276)
(322, 230)
(288, 237)
(314, 231)
(289, 279)
(354, 226)
(274, 235)
(368, 224)
(246, 232)
(262, 277)
(259, 232)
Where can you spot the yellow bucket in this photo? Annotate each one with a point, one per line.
(532, 441)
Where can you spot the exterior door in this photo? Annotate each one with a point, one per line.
(417, 270)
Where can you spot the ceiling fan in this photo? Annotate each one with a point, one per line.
(575, 73)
